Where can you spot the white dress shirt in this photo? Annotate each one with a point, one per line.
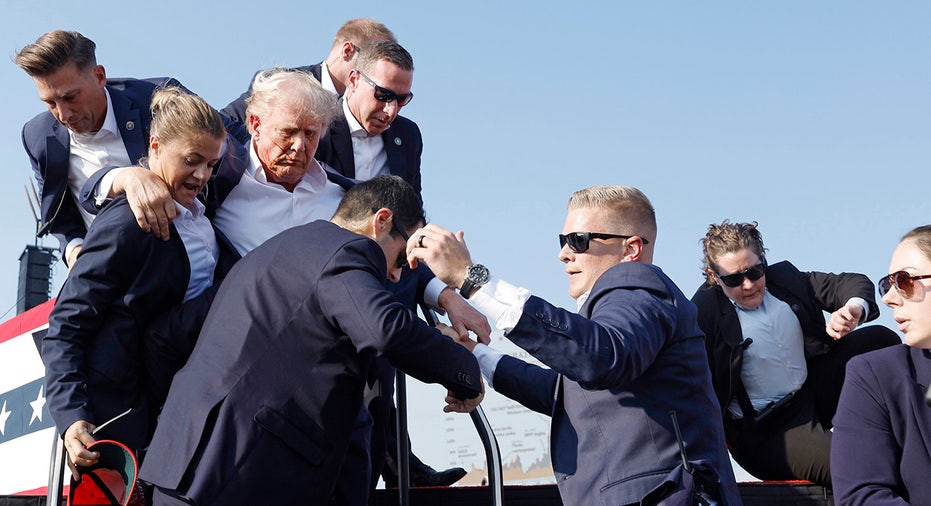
(368, 151)
(200, 242)
(504, 304)
(326, 82)
(258, 209)
(91, 152)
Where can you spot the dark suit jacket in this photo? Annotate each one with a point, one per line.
(93, 352)
(403, 146)
(808, 294)
(263, 410)
(47, 144)
(236, 109)
(881, 449)
(633, 354)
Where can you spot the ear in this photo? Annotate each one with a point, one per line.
(348, 51)
(634, 249)
(100, 75)
(353, 79)
(254, 123)
(153, 145)
(381, 223)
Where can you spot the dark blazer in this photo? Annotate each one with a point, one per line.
(881, 448)
(403, 146)
(236, 110)
(807, 293)
(262, 412)
(629, 357)
(93, 352)
(47, 143)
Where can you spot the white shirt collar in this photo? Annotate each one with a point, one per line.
(355, 128)
(326, 81)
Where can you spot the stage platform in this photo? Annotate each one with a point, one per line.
(753, 494)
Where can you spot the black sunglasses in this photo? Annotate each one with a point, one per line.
(386, 95)
(903, 282)
(578, 241)
(753, 273)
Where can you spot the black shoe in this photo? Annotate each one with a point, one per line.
(429, 477)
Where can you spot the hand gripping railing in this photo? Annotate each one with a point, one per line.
(485, 432)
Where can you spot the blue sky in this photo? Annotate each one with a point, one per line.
(809, 117)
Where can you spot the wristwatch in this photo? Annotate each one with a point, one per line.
(476, 276)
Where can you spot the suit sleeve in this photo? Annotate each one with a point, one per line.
(66, 221)
(529, 384)
(832, 291)
(107, 265)
(626, 332)
(864, 452)
(355, 301)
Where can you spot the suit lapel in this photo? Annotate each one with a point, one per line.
(341, 144)
(57, 152)
(130, 124)
(394, 148)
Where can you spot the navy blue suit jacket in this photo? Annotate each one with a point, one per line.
(262, 412)
(94, 349)
(881, 448)
(47, 143)
(403, 146)
(629, 357)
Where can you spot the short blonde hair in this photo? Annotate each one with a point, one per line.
(630, 210)
(362, 30)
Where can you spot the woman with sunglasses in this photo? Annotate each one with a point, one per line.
(882, 431)
(94, 353)
(776, 365)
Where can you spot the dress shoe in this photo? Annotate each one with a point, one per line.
(429, 477)
(425, 476)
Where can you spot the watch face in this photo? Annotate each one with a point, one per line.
(477, 274)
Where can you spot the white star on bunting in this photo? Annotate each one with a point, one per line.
(37, 406)
(4, 414)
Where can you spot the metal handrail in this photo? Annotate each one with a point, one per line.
(484, 429)
(56, 472)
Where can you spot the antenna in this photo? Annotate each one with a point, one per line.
(34, 206)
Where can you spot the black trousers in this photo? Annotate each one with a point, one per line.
(794, 443)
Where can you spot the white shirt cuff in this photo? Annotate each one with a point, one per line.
(866, 308)
(102, 191)
(488, 359)
(502, 302)
(431, 294)
(73, 243)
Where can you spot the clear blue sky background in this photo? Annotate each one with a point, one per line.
(809, 117)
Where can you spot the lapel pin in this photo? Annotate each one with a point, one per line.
(130, 125)
(397, 141)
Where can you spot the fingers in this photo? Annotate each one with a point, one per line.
(151, 202)
(77, 438)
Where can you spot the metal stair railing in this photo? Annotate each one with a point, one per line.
(479, 420)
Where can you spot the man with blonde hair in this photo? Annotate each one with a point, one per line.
(635, 420)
